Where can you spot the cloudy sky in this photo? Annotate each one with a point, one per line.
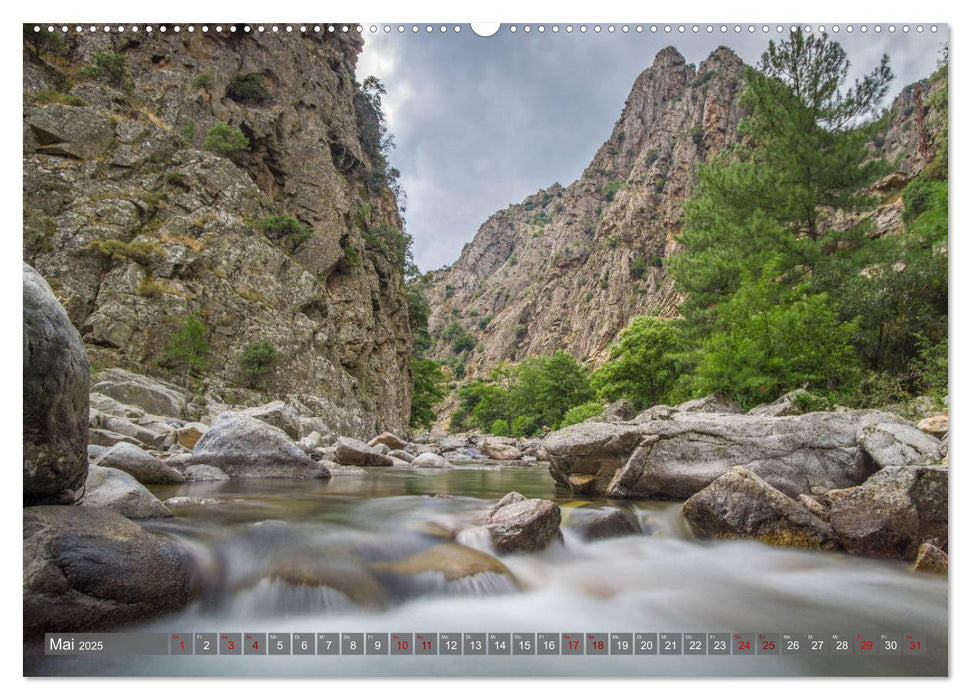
(480, 123)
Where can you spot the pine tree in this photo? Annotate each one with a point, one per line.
(188, 349)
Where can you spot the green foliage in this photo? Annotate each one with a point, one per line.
(248, 87)
(810, 402)
(428, 388)
(44, 41)
(203, 81)
(697, 133)
(256, 360)
(46, 97)
(611, 189)
(286, 229)
(644, 365)
(225, 140)
(383, 238)
(612, 241)
(350, 259)
(188, 133)
(143, 252)
(650, 157)
(458, 338)
(512, 259)
(107, 67)
(580, 413)
(638, 268)
(188, 348)
(521, 400)
(418, 311)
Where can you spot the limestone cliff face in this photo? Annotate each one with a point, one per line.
(570, 266)
(124, 162)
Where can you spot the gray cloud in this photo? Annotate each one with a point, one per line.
(483, 122)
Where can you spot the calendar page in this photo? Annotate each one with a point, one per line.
(514, 350)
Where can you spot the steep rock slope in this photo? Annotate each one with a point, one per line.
(136, 223)
(569, 267)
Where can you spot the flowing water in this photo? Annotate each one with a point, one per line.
(370, 554)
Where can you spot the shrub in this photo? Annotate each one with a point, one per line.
(459, 338)
(46, 97)
(449, 291)
(203, 81)
(143, 252)
(287, 229)
(178, 179)
(427, 389)
(697, 133)
(638, 268)
(106, 66)
(257, 360)
(521, 330)
(612, 241)
(611, 189)
(188, 133)
(580, 413)
(225, 140)
(810, 402)
(188, 348)
(499, 427)
(248, 87)
(350, 259)
(650, 157)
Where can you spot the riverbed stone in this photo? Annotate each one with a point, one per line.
(402, 454)
(55, 397)
(152, 395)
(146, 468)
(392, 441)
(898, 444)
(355, 453)
(279, 415)
(520, 524)
(493, 449)
(119, 491)
(935, 425)
(205, 472)
(453, 561)
(88, 569)
(188, 435)
(245, 447)
(108, 438)
(151, 431)
(893, 513)
(602, 523)
(677, 457)
(931, 559)
(430, 460)
(741, 505)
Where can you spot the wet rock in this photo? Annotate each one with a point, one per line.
(118, 491)
(401, 454)
(151, 395)
(935, 425)
(893, 513)
(247, 448)
(898, 444)
(739, 504)
(146, 468)
(430, 460)
(351, 452)
(602, 523)
(451, 560)
(93, 569)
(342, 470)
(931, 559)
(496, 450)
(392, 441)
(205, 472)
(279, 415)
(675, 458)
(55, 404)
(188, 435)
(520, 524)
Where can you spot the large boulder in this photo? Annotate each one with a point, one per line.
(602, 523)
(931, 559)
(739, 504)
(493, 449)
(146, 468)
(205, 472)
(56, 379)
(89, 569)
(354, 453)
(188, 435)
(392, 441)
(616, 412)
(679, 456)
(151, 395)
(429, 460)
(279, 415)
(891, 515)
(115, 490)
(148, 430)
(898, 444)
(245, 447)
(520, 524)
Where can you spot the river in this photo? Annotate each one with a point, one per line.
(298, 556)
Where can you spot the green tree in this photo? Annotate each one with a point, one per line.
(256, 360)
(428, 388)
(188, 348)
(580, 413)
(644, 365)
(225, 140)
